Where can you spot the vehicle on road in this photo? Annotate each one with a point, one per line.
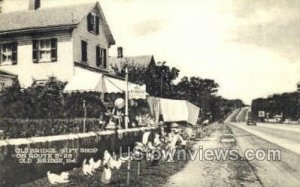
(227, 139)
(251, 122)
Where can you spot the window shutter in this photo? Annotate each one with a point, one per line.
(97, 24)
(35, 56)
(89, 22)
(83, 51)
(53, 49)
(104, 58)
(0, 54)
(37, 4)
(14, 57)
(98, 56)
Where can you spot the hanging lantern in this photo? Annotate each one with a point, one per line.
(119, 103)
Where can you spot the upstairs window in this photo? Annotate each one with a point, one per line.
(44, 50)
(34, 4)
(37, 4)
(100, 57)
(103, 54)
(83, 51)
(8, 54)
(93, 23)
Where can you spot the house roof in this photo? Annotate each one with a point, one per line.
(138, 61)
(49, 17)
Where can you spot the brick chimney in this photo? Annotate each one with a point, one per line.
(34, 4)
(120, 52)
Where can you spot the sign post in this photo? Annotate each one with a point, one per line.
(261, 113)
(137, 92)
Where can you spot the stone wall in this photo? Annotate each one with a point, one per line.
(12, 172)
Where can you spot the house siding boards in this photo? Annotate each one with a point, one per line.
(27, 71)
(68, 26)
(81, 33)
(9, 7)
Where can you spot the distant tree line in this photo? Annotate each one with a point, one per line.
(286, 104)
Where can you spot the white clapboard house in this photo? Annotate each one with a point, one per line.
(71, 43)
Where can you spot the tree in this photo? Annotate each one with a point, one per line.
(11, 104)
(286, 104)
(158, 79)
(198, 91)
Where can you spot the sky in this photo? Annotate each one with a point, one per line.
(250, 47)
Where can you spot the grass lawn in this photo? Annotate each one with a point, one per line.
(150, 175)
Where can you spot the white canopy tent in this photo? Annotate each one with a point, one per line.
(84, 80)
(89, 81)
(174, 110)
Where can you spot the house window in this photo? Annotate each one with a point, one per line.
(83, 51)
(45, 50)
(8, 54)
(37, 4)
(93, 23)
(98, 56)
(103, 54)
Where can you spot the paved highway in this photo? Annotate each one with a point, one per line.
(285, 138)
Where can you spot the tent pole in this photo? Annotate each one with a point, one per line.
(126, 99)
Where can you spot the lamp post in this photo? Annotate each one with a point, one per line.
(126, 98)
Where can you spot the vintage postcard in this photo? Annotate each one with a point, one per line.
(150, 93)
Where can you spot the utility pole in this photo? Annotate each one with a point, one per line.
(161, 82)
(161, 78)
(126, 99)
(84, 115)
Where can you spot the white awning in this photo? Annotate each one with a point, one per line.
(113, 85)
(89, 81)
(84, 81)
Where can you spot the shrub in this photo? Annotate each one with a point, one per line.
(23, 128)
